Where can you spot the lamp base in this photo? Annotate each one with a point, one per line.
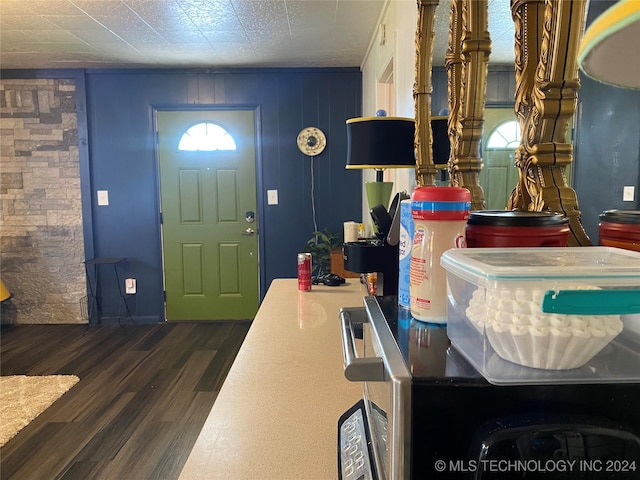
(378, 193)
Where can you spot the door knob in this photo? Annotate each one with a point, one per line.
(249, 231)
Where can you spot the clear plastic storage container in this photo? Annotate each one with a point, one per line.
(546, 315)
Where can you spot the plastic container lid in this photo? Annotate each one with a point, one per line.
(613, 266)
(506, 218)
(484, 265)
(621, 216)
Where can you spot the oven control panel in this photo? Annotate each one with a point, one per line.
(354, 444)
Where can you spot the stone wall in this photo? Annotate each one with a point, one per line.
(41, 240)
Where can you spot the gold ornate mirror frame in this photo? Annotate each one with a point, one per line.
(422, 89)
(467, 61)
(547, 36)
(547, 85)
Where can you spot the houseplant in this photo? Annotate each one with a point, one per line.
(320, 246)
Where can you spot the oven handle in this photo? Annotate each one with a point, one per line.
(368, 369)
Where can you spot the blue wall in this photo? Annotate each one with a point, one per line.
(606, 144)
(122, 160)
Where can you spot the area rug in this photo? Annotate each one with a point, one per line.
(23, 398)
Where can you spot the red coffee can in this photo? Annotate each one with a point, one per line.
(304, 272)
(506, 228)
(620, 228)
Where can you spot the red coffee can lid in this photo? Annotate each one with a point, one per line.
(621, 216)
(509, 218)
(441, 194)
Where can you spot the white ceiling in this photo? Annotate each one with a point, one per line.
(209, 33)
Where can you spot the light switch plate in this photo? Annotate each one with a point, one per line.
(130, 286)
(103, 198)
(628, 193)
(272, 197)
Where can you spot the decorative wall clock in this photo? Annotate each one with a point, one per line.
(311, 141)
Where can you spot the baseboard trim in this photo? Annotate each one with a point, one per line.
(138, 320)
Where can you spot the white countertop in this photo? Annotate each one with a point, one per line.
(277, 412)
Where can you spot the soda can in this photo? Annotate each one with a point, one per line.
(304, 272)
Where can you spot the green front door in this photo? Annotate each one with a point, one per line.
(499, 176)
(209, 224)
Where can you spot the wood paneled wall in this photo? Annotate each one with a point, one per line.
(122, 160)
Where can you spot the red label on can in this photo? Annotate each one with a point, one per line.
(304, 272)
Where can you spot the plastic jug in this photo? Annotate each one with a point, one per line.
(440, 217)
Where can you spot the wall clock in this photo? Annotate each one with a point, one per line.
(311, 141)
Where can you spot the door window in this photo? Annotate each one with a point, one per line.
(206, 137)
(505, 135)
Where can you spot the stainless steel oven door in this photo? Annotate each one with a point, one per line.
(387, 387)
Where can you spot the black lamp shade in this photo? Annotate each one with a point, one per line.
(380, 142)
(440, 134)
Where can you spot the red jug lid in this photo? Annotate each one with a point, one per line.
(441, 194)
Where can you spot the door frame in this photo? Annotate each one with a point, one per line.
(257, 119)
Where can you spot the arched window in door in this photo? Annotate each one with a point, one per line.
(506, 135)
(206, 136)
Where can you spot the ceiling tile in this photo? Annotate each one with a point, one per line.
(162, 15)
(51, 36)
(112, 8)
(262, 14)
(98, 37)
(34, 7)
(211, 14)
(182, 36)
(73, 22)
(58, 47)
(25, 23)
(127, 21)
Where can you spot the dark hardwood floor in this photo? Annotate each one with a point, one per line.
(143, 396)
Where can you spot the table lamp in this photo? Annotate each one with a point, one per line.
(609, 50)
(380, 142)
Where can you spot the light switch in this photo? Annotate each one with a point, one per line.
(103, 198)
(628, 193)
(272, 197)
(130, 286)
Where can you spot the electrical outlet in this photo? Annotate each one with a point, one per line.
(628, 193)
(130, 286)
